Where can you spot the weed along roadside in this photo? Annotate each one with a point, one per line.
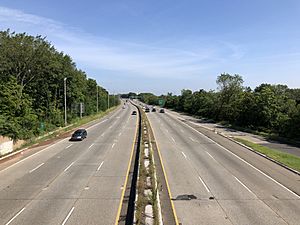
(289, 161)
(147, 203)
(60, 133)
(154, 204)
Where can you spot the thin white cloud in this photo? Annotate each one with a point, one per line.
(15, 17)
(101, 53)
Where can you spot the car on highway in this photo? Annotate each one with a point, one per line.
(153, 110)
(133, 113)
(147, 109)
(162, 111)
(79, 135)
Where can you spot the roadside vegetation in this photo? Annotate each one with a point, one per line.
(272, 110)
(33, 141)
(147, 191)
(284, 158)
(32, 74)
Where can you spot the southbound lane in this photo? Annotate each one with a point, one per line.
(71, 182)
(227, 188)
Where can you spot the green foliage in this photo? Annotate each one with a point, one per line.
(273, 109)
(32, 76)
(148, 98)
(230, 93)
(17, 117)
(290, 160)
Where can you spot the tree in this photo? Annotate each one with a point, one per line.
(32, 72)
(204, 103)
(230, 88)
(17, 119)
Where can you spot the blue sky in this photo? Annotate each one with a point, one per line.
(164, 46)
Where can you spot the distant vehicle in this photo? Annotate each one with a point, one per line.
(162, 111)
(133, 113)
(123, 107)
(153, 110)
(79, 135)
(147, 110)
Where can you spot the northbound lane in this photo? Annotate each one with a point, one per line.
(71, 182)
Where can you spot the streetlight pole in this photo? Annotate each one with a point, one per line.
(107, 99)
(65, 90)
(97, 99)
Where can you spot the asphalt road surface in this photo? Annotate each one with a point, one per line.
(223, 187)
(71, 182)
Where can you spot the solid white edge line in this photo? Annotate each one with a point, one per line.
(49, 147)
(36, 167)
(68, 166)
(68, 216)
(275, 181)
(184, 155)
(243, 185)
(100, 166)
(32, 155)
(204, 184)
(15, 216)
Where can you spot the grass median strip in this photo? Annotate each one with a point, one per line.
(282, 157)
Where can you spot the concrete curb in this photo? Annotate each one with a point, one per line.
(13, 153)
(241, 144)
(261, 154)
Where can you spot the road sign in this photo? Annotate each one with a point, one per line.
(42, 127)
(161, 102)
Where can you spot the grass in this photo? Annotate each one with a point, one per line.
(287, 159)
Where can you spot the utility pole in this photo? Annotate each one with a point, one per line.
(107, 99)
(97, 99)
(65, 90)
(81, 109)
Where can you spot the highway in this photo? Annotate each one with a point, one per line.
(227, 185)
(71, 182)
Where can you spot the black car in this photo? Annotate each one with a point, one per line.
(153, 109)
(147, 110)
(162, 111)
(79, 135)
(133, 113)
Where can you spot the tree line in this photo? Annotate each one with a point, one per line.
(273, 109)
(32, 74)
